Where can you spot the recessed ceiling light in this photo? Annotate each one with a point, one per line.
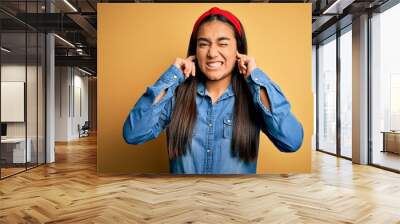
(71, 6)
(84, 71)
(337, 7)
(64, 40)
(5, 50)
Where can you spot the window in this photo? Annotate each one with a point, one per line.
(346, 93)
(385, 88)
(327, 95)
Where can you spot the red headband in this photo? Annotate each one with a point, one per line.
(216, 11)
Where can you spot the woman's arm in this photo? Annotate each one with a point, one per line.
(151, 113)
(278, 122)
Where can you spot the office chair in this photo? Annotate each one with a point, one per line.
(84, 130)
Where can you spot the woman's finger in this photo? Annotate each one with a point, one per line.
(240, 66)
(246, 63)
(191, 57)
(241, 63)
(239, 55)
(242, 57)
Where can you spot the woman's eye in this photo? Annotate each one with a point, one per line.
(223, 44)
(202, 44)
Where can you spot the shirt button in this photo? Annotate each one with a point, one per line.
(208, 150)
(210, 124)
(229, 121)
(256, 79)
(175, 76)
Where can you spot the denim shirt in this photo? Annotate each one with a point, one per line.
(210, 148)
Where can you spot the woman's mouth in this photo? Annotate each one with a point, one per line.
(214, 65)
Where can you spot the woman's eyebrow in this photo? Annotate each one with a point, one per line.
(203, 39)
(224, 38)
(209, 41)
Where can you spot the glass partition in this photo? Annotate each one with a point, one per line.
(22, 88)
(385, 89)
(13, 98)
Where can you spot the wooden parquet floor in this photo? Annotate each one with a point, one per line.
(70, 191)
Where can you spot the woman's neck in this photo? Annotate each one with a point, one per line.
(215, 89)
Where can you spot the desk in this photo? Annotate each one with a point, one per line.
(15, 148)
(391, 141)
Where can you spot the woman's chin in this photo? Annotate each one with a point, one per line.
(214, 76)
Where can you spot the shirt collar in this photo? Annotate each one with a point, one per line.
(201, 90)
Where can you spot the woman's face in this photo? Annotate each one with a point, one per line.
(216, 49)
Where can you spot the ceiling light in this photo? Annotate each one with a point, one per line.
(70, 5)
(64, 40)
(338, 6)
(5, 50)
(84, 71)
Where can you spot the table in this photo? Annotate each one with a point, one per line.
(391, 141)
(15, 148)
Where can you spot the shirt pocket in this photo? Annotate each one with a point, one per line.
(228, 128)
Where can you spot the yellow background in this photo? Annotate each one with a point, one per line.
(138, 42)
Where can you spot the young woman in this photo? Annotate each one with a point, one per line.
(214, 103)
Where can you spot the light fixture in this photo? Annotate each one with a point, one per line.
(337, 7)
(84, 71)
(80, 51)
(5, 50)
(65, 41)
(70, 5)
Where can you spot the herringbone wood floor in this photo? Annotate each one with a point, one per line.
(70, 191)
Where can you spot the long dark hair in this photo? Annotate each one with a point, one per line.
(245, 139)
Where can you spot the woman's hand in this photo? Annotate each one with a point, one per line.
(246, 64)
(186, 65)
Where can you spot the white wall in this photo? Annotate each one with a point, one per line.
(62, 78)
(81, 102)
(16, 73)
(71, 93)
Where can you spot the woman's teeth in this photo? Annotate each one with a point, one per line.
(214, 65)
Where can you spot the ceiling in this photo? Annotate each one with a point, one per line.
(76, 22)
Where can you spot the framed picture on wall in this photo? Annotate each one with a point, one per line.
(12, 101)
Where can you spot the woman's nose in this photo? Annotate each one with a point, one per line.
(212, 52)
